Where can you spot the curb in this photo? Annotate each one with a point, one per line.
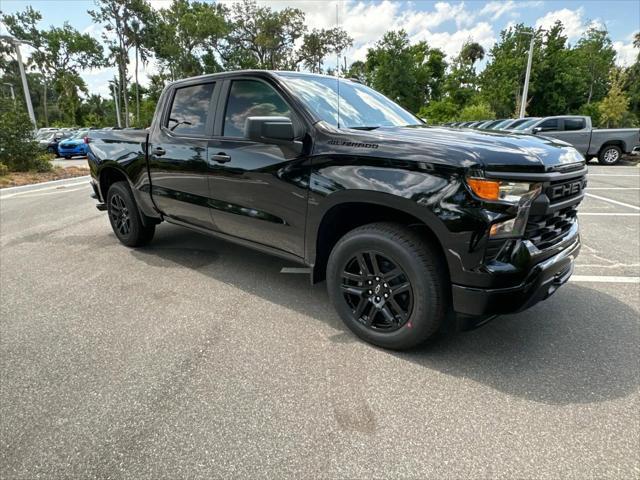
(45, 185)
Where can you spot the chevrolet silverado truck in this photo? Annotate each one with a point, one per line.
(414, 228)
(606, 144)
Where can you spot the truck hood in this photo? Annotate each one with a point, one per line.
(492, 150)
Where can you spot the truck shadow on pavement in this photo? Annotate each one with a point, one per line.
(579, 346)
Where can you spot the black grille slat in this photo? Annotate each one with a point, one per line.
(544, 231)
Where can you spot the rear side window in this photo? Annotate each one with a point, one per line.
(548, 125)
(574, 123)
(251, 98)
(190, 109)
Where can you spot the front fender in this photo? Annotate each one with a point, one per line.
(434, 195)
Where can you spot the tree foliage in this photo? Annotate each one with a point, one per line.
(408, 74)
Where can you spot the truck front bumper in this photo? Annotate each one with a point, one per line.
(543, 280)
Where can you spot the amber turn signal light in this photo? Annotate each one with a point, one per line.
(485, 189)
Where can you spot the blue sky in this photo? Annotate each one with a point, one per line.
(442, 24)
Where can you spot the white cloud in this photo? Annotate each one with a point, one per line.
(498, 8)
(574, 25)
(626, 53)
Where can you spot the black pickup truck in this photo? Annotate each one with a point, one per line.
(413, 227)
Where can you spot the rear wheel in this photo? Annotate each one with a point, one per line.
(67, 157)
(388, 285)
(610, 155)
(125, 218)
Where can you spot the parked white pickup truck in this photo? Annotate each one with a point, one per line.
(607, 145)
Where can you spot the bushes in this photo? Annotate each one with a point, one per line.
(18, 149)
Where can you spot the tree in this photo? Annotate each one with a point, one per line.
(60, 54)
(477, 111)
(357, 71)
(19, 151)
(595, 57)
(555, 79)
(614, 106)
(471, 52)
(632, 84)
(405, 73)
(318, 44)
(502, 79)
(117, 19)
(183, 34)
(262, 38)
(461, 84)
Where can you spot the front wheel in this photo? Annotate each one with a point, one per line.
(125, 218)
(610, 155)
(388, 285)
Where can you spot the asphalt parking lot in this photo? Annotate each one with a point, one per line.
(194, 358)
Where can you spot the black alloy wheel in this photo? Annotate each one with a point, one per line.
(126, 221)
(120, 214)
(389, 284)
(378, 291)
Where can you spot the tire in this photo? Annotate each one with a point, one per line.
(393, 315)
(125, 218)
(67, 157)
(610, 155)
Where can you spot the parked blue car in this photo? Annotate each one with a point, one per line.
(74, 145)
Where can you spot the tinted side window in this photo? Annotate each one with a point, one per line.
(251, 98)
(574, 123)
(548, 125)
(190, 109)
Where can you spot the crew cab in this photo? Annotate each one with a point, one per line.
(414, 228)
(606, 144)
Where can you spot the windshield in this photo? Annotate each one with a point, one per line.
(359, 106)
(526, 124)
(502, 124)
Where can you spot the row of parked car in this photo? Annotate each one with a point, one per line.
(608, 145)
(67, 142)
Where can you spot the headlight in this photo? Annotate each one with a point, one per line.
(496, 190)
(519, 194)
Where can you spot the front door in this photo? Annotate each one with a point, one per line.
(178, 164)
(258, 191)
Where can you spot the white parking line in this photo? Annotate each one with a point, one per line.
(603, 279)
(603, 214)
(615, 202)
(610, 175)
(613, 188)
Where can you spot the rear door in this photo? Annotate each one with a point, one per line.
(573, 130)
(178, 165)
(258, 191)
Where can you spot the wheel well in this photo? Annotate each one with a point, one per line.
(108, 177)
(617, 143)
(343, 218)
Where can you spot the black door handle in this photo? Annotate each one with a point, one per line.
(221, 157)
(158, 151)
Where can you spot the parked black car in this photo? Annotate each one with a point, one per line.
(407, 223)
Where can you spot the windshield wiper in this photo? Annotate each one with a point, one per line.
(365, 128)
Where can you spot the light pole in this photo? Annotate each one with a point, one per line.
(525, 89)
(27, 96)
(13, 94)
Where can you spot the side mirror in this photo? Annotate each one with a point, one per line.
(274, 130)
(536, 130)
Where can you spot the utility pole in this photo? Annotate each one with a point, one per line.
(27, 96)
(115, 98)
(525, 90)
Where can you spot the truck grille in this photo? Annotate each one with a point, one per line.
(545, 231)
